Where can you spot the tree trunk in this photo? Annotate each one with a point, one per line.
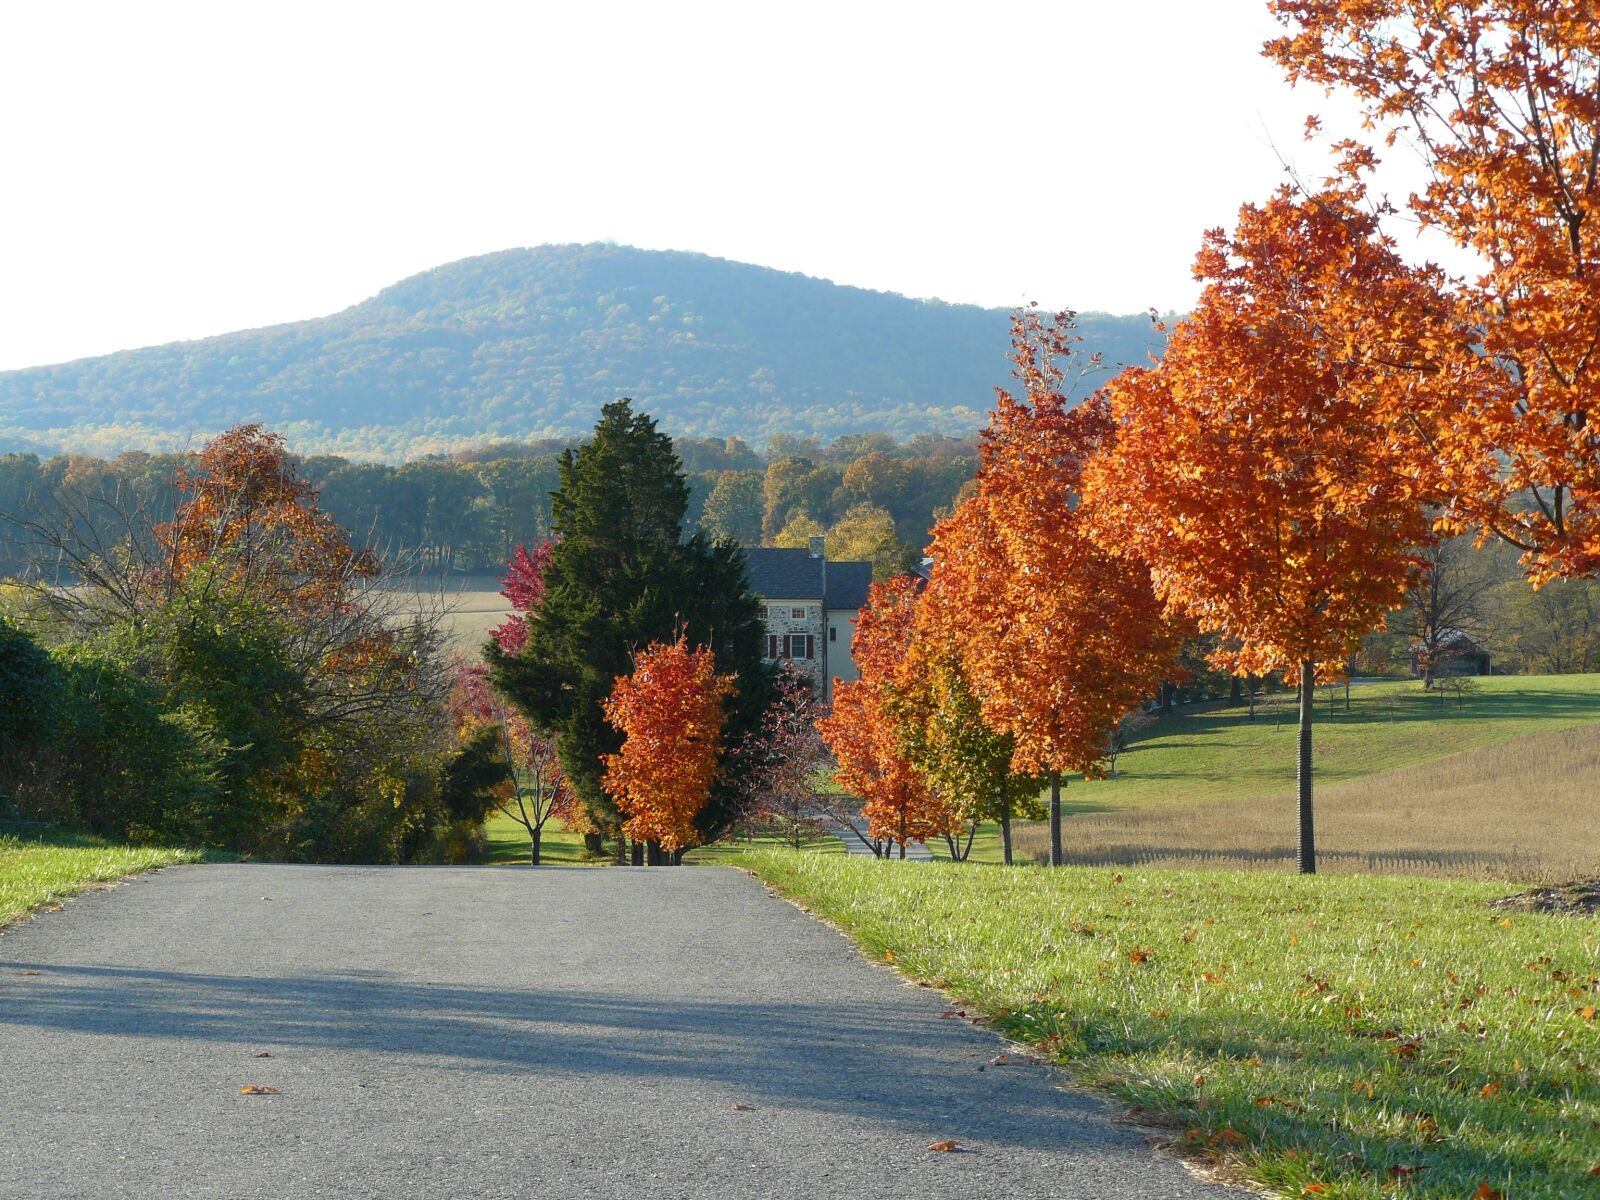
(538, 835)
(620, 856)
(1055, 818)
(638, 853)
(1005, 834)
(1308, 840)
(593, 845)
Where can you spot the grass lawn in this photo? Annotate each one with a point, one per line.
(508, 843)
(732, 849)
(1222, 754)
(1338, 1037)
(38, 869)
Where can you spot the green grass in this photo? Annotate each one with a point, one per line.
(508, 843)
(735, 847)
(1222, 754)
(1370, 1036)
(37, 870)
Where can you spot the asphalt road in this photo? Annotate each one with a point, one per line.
(509, 1033)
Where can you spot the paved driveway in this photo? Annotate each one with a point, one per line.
(508, 1032)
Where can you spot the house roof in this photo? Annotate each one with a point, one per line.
(847, 584)
(778, 573)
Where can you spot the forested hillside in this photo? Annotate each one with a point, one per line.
(530, 343)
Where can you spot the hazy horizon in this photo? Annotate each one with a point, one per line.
(187, 170)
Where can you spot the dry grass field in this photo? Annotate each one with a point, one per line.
(1524, 810)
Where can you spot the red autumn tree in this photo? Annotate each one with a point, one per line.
(782, 759)
(1500, 100)
(1251, 470)
(670, 714)
(537, 790)
(1060, 638)
(522, 586)
(866, 735)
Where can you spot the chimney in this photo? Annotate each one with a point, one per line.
(817, 544)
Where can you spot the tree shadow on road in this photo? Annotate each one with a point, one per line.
(902, 1063)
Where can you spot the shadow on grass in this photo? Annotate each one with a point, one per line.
(884, 1062)
(1421, 1096)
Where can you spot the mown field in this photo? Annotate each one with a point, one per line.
(1498, 786)
(1337, 1037)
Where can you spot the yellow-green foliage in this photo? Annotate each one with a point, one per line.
(34, 873)
(1346, 1032)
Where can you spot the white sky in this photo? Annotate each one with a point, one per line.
(173, 171)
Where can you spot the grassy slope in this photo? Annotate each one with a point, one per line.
(1332, 1034)
(36, 871)
(1223, 754)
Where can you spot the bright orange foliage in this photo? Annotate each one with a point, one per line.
(670, 714)
(865, 738)
(1250, 470)
(1502, 100)
(1061, 639)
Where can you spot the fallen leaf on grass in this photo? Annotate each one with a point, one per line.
(1139, 956)
(948, 1146)
(1587, 1012)
(1485, 1192)
(741, 1108)
(1403, 1171)
(1313, 1189)
(1488, 1090)
(256, 1089)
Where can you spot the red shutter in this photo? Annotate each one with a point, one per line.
(772, 645)
(811, 647)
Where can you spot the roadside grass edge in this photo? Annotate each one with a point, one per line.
(1358, 1037)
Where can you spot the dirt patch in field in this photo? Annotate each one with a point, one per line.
(1579, 898)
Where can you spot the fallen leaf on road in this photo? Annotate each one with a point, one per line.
(30, 972)
(262, 1054)
(256, 1089)
(742, 1108)
(947, 1146)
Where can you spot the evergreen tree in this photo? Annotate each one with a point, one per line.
(620, 577)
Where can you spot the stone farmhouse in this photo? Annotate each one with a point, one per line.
(810, 606)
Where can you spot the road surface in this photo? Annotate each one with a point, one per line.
(505, 1032)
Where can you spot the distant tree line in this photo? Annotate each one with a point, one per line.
(874, 498)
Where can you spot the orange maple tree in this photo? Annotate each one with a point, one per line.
(1251, 471)
(1501, 100)
(245, 510)
(1061, 638)
(669, 711)
(866, 735)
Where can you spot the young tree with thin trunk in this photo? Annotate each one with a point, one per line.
(865, 732)
(535, 790)
(670, 714)
(1500, 102)
(1059, 637)
(1251, 471)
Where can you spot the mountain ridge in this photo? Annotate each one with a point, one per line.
(530, 342)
